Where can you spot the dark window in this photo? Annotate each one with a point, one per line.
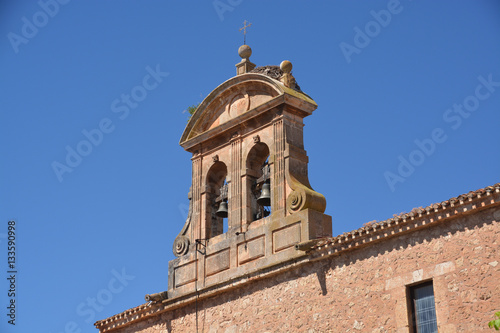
(423, 310)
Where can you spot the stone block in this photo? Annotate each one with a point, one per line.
(217, 262)
(251, 250)
(185, 274)
(286, 237)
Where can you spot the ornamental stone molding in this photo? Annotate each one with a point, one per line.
(246, 137)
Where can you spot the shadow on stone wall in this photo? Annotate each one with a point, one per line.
(323, 267)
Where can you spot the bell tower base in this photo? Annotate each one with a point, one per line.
(260, 247)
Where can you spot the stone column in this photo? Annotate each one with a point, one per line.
(235, 186)
(278, 176)
(198, 228)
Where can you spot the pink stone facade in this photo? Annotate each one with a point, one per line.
(362, 288)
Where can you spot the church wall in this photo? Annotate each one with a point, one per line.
(363, 289)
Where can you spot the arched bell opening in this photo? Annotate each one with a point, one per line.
(216, 195)
(258, 182)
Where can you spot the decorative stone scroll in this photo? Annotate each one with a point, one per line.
(303, 197)
(294, 202)
(181, 242)
(181, 246)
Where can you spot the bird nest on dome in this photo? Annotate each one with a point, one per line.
(273, 72)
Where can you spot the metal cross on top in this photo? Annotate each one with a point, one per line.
(245, 26)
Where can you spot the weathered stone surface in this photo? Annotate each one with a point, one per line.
(247, 122)
(251, 250)
(363, 289)
(217, 262)
(286, 237)
(185, 274)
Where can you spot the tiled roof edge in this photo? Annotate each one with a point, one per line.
(371, 228)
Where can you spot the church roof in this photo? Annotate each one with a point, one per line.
(417, 217)
(468, 203)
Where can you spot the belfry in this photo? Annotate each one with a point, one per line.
(250, 199)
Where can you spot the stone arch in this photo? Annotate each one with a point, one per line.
(215, 178)
(256, 158)
(233, 97)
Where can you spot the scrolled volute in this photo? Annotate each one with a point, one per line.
(303, 197)
(181, 246)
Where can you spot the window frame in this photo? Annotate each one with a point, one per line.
(411, 298)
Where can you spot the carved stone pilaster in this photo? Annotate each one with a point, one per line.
(235, 200)
(279, 164)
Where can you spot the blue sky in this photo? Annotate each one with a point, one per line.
(408, 95)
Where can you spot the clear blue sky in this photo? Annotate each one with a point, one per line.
(413, 86)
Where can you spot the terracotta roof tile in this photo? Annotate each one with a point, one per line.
(415, 213)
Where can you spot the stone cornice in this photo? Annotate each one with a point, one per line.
(417, 218)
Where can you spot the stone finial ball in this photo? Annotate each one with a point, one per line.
(286, 66)
(245, 51)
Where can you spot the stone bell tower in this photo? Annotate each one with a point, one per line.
(250, 198)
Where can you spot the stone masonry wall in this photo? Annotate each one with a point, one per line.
(364, 289)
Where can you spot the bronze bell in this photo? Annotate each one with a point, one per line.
(222, 211)
(265, 195)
